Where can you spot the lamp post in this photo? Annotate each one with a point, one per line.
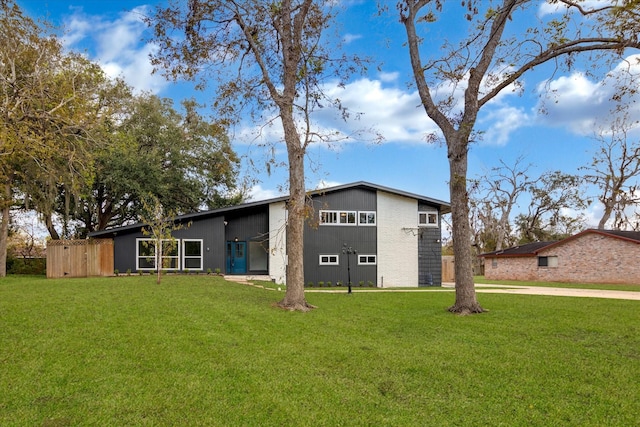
(348, 250)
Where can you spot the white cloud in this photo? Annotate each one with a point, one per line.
(394, 113)
(348, 38)
(117, 46)
(257, 193)
(548, 8)
(500, 123)
(583, 105)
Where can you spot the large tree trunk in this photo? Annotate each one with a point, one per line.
(294, 297)
(5, 203)
(466, 302)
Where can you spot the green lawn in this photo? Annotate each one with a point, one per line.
(198, 351)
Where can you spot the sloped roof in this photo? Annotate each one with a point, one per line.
(629, 236)
(445, 207)
(527, 249)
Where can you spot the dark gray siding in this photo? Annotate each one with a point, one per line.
(330, 239)
(249, 226)
(429, 252)
(246, 225)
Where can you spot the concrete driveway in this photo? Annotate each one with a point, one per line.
(559, 292)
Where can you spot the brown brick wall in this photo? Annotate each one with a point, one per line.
(590, 258)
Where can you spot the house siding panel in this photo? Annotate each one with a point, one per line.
(398, 256)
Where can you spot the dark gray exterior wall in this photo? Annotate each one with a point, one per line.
(249, 226)
(429, 252)
(330, 239)
(246, 225)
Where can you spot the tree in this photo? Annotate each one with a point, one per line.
(273, 57)
(48, 111)
(614, 171)
(492, 200)
(180, 158)
(503, 44)
(160, 225)
(554, 198)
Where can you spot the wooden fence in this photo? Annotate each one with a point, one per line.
(448, 271)
(79, 258)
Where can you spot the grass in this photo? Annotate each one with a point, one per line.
(604, 286)
(199, 351)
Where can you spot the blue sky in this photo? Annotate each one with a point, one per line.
(111, 33)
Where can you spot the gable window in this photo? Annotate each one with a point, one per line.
(192, 254)
(428, 219)
(329, 260)
(366, 260)
(548, 261)
(328, 217)
(366, 218)
(338, 217)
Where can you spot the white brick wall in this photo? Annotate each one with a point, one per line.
(278, 242)
(397, 248)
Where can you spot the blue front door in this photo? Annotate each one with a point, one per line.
(236, 257)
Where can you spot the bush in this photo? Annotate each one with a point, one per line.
(28, 266)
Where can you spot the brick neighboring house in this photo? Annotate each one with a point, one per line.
(592, 256)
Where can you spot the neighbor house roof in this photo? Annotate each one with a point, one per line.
(532, 249)
(527, 249)
(629, 236)
(445, 207)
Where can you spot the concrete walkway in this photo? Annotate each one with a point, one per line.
(480, 288)
(559, 292)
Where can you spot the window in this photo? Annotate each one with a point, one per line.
(145, 254)
(329, 260)
(170, 255)
(347, 217)
(328, 217)
(192, 254)
(258, 257)
(366, 260)
(548, 261)
(428, 219)
(366, 218)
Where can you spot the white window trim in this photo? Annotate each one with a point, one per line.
(162, 257)
(158, 256)
(184, 256)
(338, 215)
(427, 224)
(329, 262)
(155, 254)
(552, 261)
(366, 224)
(366, 262)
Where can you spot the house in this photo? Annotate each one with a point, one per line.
(394, 236)
(592, 256)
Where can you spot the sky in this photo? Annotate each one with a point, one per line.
(112, 33)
